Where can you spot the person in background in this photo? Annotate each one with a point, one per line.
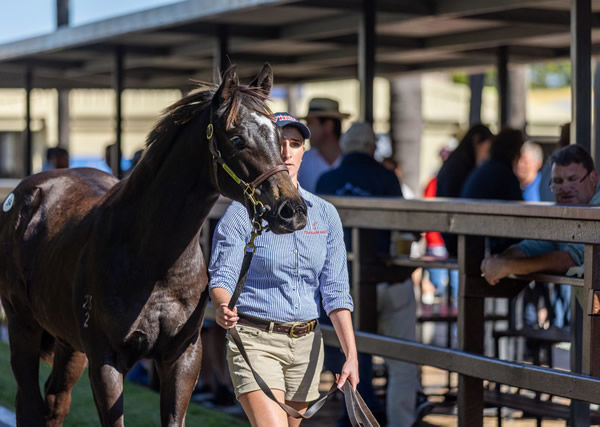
(528, 170)
(472, 150)
(278, 307)
(574, 182)
(325, 123)
(495, 178)
(391, 164)
(546, 173)
(359, 174)
(56, 158)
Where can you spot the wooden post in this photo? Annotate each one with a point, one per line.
(470, 327)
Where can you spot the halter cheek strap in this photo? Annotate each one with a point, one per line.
(247, 188)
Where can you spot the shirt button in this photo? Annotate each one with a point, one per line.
(296, 306)
(295, 251)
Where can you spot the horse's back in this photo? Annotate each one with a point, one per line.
(40, 207)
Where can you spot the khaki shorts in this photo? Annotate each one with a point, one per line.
(290, 364)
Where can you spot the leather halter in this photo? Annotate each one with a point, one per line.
(247, 188)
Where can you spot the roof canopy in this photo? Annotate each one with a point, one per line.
(304, 40)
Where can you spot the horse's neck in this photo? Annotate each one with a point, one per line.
(170, 199)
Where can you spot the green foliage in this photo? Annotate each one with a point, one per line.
(551, 74)
(141, 404)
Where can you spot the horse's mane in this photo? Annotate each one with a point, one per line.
(161, 138)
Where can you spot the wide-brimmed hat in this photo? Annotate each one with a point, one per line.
(284, 119)
(325, 107)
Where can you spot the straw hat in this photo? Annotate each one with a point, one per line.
(325, 107)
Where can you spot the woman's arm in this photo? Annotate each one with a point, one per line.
(225, 317)
(342, 323)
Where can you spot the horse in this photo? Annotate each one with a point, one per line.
(106, 272)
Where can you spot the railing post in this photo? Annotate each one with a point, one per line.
(585, 327)
(364, 291)
(470, 327)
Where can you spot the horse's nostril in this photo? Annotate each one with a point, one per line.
(285, 211)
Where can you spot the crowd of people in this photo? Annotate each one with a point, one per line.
(299, 281)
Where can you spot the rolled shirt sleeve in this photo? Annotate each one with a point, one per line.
(333, 280)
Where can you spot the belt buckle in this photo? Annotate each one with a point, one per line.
(292, 334)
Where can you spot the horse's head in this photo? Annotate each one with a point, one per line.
(245, 144)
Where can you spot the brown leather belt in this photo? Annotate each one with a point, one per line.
(295, 330)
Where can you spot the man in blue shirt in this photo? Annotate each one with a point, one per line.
(574, 182)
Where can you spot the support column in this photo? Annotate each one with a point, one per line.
(470, 327)
(476, 86)
(27, 167)
(118, 87)
(596, 144)
(581, 51)
(366, 59)
(503, 87)
(291, 92)
(221, 58)
(518, 97)
(63, 119)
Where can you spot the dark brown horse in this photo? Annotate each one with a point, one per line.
(113, 270)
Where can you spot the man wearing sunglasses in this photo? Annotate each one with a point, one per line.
(574, 182)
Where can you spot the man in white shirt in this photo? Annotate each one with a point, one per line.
(325, 122)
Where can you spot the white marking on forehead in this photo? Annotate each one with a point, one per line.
(8, 202)
(263, 120)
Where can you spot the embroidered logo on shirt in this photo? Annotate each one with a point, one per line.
(314, 229)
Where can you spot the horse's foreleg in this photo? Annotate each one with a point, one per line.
(177, 381)
(66, 370)
(107, 385)
(25, 336)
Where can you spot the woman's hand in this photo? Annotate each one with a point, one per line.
(226, 318)
(350, 373)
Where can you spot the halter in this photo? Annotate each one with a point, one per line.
(247, 188)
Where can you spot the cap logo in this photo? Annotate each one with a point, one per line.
(286, 118)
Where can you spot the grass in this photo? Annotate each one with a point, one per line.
(141, 403)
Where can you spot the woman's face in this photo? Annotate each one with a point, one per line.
(292, 150)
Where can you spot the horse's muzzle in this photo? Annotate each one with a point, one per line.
(289, 216)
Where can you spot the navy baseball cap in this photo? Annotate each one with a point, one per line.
(284, 119)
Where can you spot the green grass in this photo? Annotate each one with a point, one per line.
(141, 404)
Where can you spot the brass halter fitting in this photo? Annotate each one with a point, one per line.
(247, 188)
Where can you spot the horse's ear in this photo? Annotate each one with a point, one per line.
(264, 79)
(229, 84)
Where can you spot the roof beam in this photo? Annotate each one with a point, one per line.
(410, 7)
(489, 37)
(462, 7)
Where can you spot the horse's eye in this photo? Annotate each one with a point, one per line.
(238, 141)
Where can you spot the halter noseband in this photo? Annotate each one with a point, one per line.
(247, 188)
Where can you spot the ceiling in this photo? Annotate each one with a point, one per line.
(304, 40)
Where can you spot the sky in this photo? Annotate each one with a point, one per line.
(20, 19)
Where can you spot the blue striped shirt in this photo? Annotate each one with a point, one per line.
(289, 272)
